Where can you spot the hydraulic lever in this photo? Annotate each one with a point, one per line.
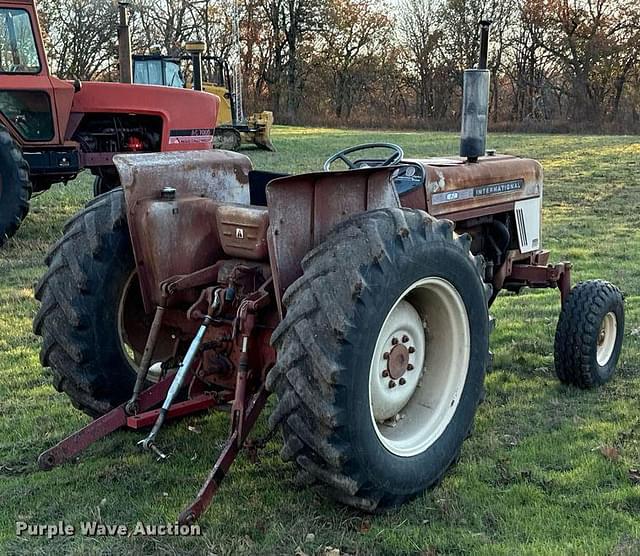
(148, 443)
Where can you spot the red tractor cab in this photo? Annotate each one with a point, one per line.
(52, 129)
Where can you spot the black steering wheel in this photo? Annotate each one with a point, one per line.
(397, 156)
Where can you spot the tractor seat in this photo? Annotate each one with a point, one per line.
(258, 181)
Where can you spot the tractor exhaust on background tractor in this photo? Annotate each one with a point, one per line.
(360, 297)
(124, 42)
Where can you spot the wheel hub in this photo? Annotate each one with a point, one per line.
(398, 361)
(401, 351)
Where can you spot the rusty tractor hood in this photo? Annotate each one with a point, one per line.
(455, 187)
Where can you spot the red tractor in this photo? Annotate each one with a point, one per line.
(52, 129)
(359, 297)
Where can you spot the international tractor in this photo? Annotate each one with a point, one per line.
(52, 129)
(360, 297)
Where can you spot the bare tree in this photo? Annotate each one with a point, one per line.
(167, 23)
(420, 31)
(551, 60)
(81, 35)
(596, 43)
(351, 51)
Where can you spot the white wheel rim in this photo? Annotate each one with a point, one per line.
(607, 338)
(411, 415)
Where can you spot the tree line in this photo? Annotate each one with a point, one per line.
(556, 64)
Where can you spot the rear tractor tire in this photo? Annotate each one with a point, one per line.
(15, 187)
(89, 285)
(381, 357)
(589, 334)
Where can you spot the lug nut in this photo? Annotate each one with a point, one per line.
(392, 384)
(385, 373)
(402, 381)
(412, 349)
(385, 355)
(405, 339)
(394, 341)
(409, 367)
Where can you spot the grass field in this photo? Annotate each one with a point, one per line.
(547, 470)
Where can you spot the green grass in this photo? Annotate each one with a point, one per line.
(531, 479)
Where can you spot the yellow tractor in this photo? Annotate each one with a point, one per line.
(212, 75)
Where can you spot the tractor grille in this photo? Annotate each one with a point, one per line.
(522, 229)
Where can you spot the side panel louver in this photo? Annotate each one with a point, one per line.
(528, 224)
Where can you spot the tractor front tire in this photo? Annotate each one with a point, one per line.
(381, 357)
(81, 294)
(589, 334)
(15, 187)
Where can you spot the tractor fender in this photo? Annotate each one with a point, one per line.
(304, 208)
(176, 232)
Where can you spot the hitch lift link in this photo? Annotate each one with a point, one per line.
(139, 411)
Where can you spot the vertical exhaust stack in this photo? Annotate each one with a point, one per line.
(475, 103)
(195, 50)
(124, 42)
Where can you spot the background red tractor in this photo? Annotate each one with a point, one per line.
(52, 129)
